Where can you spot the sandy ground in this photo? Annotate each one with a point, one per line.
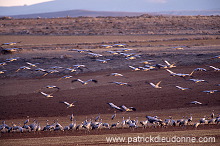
(20, 95)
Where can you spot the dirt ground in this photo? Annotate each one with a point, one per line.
(140, 25)
(20, 95)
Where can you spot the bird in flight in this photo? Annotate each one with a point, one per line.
(23, 68)
(134, 68)
(218, 56)
(200, 69)
(56, 67)
(195, 102)
(11, 43)
(153, 119)
(40, 69)
(147, 62)
(211, 91)
(52, 86)
(80, 67)
(50, 72)
(169, 65)
(121, 108)
(131, 58)
(117, 75)
(123, 49)
(180, 74)
(145, 68)
(197, 80)
(113, 52)
(181, 88)
(47, 95)
(179, 48)
(121, 83)
(68, 104)
(215, 68)
(65, 77)
(106, 46)
(95, 55)
(103, 60)
(3, 63)
(2, 71)
(32, 64)
(155, 86)
(84, 82)
(128, 109)
(70, 69)
(12, 59)
(112, 105)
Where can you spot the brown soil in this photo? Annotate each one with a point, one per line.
(20, 95)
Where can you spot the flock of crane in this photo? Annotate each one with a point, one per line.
(148, 65)
(98, 123)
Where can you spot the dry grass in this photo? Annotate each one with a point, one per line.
(113, 25)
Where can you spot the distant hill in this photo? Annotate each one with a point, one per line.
(191, 13)
(87, 13)
(78, 13)
(75, 8)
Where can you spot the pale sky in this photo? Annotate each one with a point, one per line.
(43, 6)
(186, 3)
(20, 2)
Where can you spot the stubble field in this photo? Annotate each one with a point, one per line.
(20, 95)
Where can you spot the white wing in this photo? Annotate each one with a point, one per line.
(167, 62)
(179, 87)
(152, 119)
(170, 71)
(80, 80)
(124, 107)
(195, 102)
(213, 67)
(45, 94)
(158, 83)
(132, 67)
(114, 106)
(66, 103)
(152, 84)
